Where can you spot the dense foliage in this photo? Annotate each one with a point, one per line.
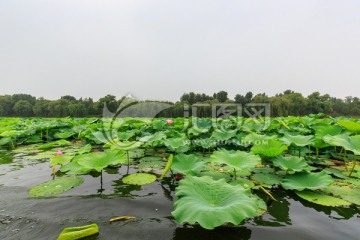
(283, 104)
(226, 172)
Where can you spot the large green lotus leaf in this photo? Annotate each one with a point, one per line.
(78, 232)
(5, 140)
(74, 167)
(85, 149)
(187, 164)
(312, 181)
(124, 136)
(153, 137)
(347, 193)
(322, 199)
(57, 143)
(212, 203)
(323, 131)
(349, 143)
(292, 163)
(256, 139)
(245, 183)
(139, 179)
(266, 178)
(100, 160)
(179, 145)
(64, 135)
(205, 143)
(116, 144)
(238, 160)
(54, 187)
(197, 131)
(298, 140)
(151, 162)
(270, 148)
(60, 160)
(223, 135)
(350, 125)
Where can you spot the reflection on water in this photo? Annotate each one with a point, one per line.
(198, 233)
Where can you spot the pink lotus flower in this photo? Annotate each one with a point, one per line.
(59, 153)
(169, 121)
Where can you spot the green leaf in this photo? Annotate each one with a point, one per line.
(236, 159)
(271, 148)
(298, 140)
(78, 232)
(178, 145)
(154, 137)
(100, 160)
(125, 145)
(292, 163)
(266, 178)
(54, 187)
(139, 179)
(350, 125)
(212, 203)
(60, 160)
(223, 135)
(322, 199)
(167, 167)
(349, 143)
(74, 167)
(312, 181)
(187, 164)
(63, 135)
(58, 143)
(85, 149)
(347, 193)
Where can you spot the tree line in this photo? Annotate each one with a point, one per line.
(282, 104)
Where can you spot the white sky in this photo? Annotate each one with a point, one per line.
(159, 49)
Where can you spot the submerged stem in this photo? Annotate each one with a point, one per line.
(268, 193)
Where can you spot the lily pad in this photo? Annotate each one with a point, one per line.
(54, 187)
(312, 181)
(266, 178)
(78, 232)
(322, 199)
(212, 203)
(100, 160)
(139, 179)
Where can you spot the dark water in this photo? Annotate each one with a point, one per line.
(22, 217)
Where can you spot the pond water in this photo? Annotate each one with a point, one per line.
(104, 196)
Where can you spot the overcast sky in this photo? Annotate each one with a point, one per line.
(159, 49)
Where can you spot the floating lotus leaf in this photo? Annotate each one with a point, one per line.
(212, 203)
(349, 143)
(312, 181)
(54, 187)
(265, 178)
(347, 193)
(58, 143)
(350, 125)
(236, 159)
(270, 148)
(298, 140)
(139, 179)
(78, 232)
(245, 183)
(151, 162)
(292, 163)
(100, 160)
(322, 199)
(187, 164)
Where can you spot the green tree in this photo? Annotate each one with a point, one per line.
(23, 108)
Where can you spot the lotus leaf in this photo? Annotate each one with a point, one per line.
(270, 148)
(100, 160)
(212, 203)
(54, 187)
(139, 179)
(322, 199)
(238, 160)
(292, 163)
(78, 232)
(312, 181)
(187, 164)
